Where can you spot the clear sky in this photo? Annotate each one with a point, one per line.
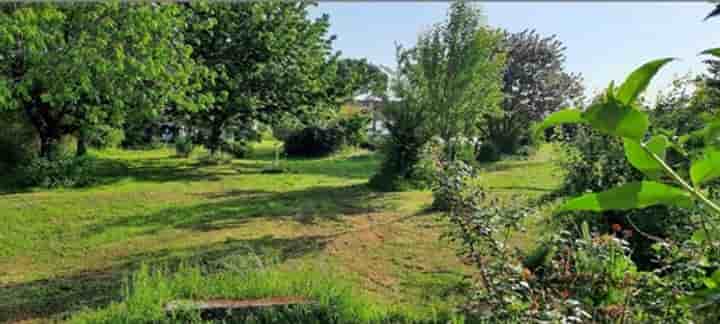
(604, 40)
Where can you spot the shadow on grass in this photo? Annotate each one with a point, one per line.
(510, 165)
(237, 207)
(170, 169)
(59, 296)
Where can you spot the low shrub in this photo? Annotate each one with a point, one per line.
(285, 127)
(238, 149)
(184, 146)
(314, 141)
(354, 129)
(18, 141)
(488, 152)
(64, 171)
(105, 137)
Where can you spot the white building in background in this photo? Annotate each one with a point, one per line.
(374, 106)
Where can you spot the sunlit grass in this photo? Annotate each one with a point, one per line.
(65, 249)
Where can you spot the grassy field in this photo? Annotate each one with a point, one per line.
(62, 250)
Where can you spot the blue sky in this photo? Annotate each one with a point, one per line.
(604, 40)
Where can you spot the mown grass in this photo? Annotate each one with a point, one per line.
(67, 249)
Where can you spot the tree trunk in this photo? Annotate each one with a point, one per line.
(215, 139)
(81, 144)
(48, 143)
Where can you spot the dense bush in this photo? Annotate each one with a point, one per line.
(18, 142)
(184, 146)
(314, 141)
(238, 149)
(62, 171)
(488, 152)
(105, 137)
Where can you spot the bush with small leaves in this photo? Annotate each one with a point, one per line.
(314, 141)
(62, 171)
(184, 146)
(488, 152)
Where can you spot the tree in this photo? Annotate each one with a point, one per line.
(265, 58)
(443, 85)
(361, 77)
(456, 69)
(70, 67)
(535, 84)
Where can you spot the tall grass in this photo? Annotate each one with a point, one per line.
(148, 290)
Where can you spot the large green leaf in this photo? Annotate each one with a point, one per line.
(639, 80)
(630, 196)
(567, 116)
(614, 118)
(641, 160)
(705, 169)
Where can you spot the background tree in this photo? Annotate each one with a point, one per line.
(361, 77)
(265, 58)
(444, 86)
(72, 67)
(534, 85)
(456, 69)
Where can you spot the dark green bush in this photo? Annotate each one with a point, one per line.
(399, 170)
(63, 171)
(285, 127)
(314, 141)
(184, 146)
(488, 152)
(18, 141)
(237, 149)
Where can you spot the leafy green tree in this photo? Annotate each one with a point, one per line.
(361, 77)
(265, 58)
(444, 86)
(70, 67)
(456, 70)
(535, 84)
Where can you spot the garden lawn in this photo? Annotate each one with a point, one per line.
(63, 250)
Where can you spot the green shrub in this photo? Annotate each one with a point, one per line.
(184, 146)
(314, 141)
(64, 171)
(238, 149)
(18, 141)
(105, 136)
(354, 129)
(488, 152)
(285, 127)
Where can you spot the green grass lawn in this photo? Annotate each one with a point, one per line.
(61, 250)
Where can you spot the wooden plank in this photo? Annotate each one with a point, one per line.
(235, 304)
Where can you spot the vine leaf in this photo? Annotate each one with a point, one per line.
(639, 80)
(642, 160)
(633, 195)
(567, 116)
(705, 169)
(614, 118)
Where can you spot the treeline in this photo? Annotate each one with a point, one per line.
(114, 73)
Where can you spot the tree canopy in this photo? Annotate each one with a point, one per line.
(265, 59)
(534, 85)
(73, 66)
